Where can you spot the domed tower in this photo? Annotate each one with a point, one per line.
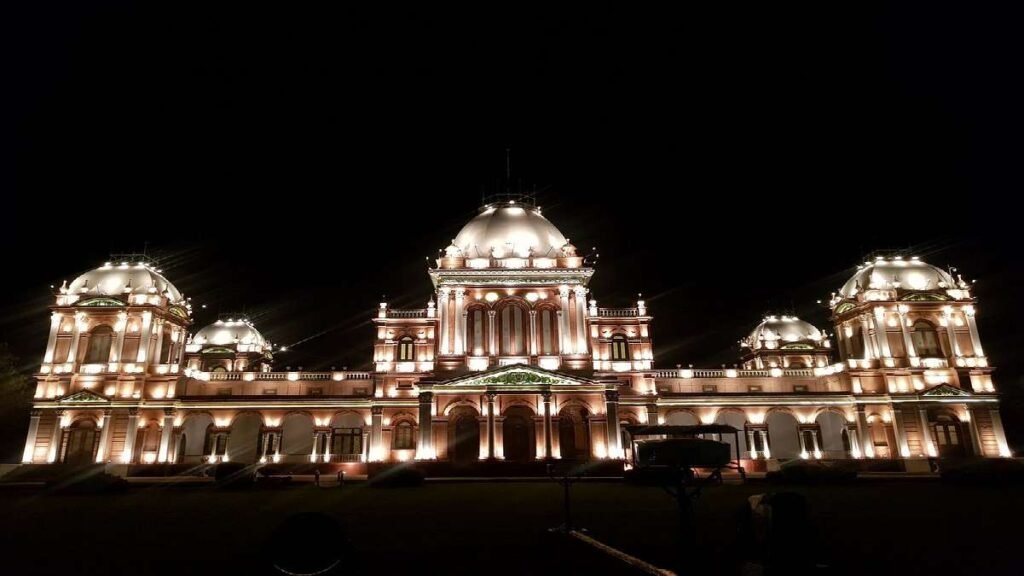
(511, 289)
(785, 342)
(115, 350)
(231, 344)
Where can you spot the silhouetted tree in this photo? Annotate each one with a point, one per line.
(15, 403)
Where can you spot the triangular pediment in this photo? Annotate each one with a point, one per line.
(84, 397)
(946, 390)
(516, 377)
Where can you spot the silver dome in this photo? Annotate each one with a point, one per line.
(912, 274)
(510, 230)
(784, 330)
(114, 279)
(229, 332)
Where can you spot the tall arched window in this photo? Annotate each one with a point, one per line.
(513, 323)
(99, 345)
(403, 436)
(857, 344)
(406, 349)
(476, 330)
(620, 348)
(548, 329)
(926, 341)
(165, 348)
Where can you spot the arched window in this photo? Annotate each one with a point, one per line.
(405, 349)
(926, 341)
(857, 344)
(548, 328)
(512, 320)
(403, 436)
(620, 348)
(99, 345)
(476, 330)
(165, 348)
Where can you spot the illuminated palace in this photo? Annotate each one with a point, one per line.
(512, 359)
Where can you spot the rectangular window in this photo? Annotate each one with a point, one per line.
(223, 391)
(361, 391)
(405, 384)
(316, 391)
(348, 442)
(710, 388)
(547, 340)
(270, 391)
(753, 388)
(799, 388)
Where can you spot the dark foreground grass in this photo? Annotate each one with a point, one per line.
(479, 528)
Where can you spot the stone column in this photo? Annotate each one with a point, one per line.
(128, 453)
(847, 342)
(51, 342)
(425, 450)
(547, 425)
(442, 320)
(492, 340)
(56, 437)
(817, 447)
(897, 431)
(1000, 434)
(75, 337)
(869, 348)
(908, 342)
(652, 415)
(165, 435)
(803, 442)
(954, 349)
(611, 404)
(533, 332)
(751, 444)
(490, 425)
(30, 440)
(881, 332)
(855, 449)
(926, 433)
(315, 454)
(376, 433)
(108, 423)
(580, 297)
(563, 320)
(158, 327)
(119, 329)
(460, 321)
(147, 332)
(764, 442)
(972, 424)
(864, 431)
(972, 325)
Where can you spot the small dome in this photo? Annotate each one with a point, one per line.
(230, 332)
(897, 273)
(115, 279)
(509, 230)
(784, 330)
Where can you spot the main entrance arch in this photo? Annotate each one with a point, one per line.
(518, 434)
(463, 435)
(81, 443)
(574, 433)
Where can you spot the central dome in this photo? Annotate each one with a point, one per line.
(784, 330)
(114, 279)
(896, 273)
(228, 332)
(504, 230)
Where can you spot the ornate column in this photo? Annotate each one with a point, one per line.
(490, 425)
(764, 442)
(442, 322)
(56, 437)
(533, 332)
(881, 332)
(908, 342)
(119, 328)
(864, 431)
(315, 454)
(972, 325)
(954, 349)
(376, 433)
(460, 321)
(76, 335)
(425, 449)
(1000, 434)
(611, 404)
(147, 333)
(803, 443)
(165, 435)
(104, 448)
(128, 454)
(33, 433)
(869, 347)
(817, 447)
(926, 434)
(897, 431)
(51, 342)
(972, 424)
(580, 298)
(563, 320)
(547, 425)
(158, 326)
(847, 342)
(751, 444)
(492, 341)
(652, 415)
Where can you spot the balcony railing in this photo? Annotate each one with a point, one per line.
(735, 373)
(393, 313)
(618, 312)
(265, 376)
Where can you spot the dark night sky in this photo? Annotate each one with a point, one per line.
(726, 160)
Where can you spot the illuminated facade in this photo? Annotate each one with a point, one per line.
(511, 359)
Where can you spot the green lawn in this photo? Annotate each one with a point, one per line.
(474, 528)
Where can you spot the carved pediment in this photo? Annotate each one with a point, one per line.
(84, 397)
(946, 390)
(517, 376)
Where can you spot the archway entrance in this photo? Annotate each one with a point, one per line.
(517, 434)
(81, 442)
(573, 433)
(464, 437)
